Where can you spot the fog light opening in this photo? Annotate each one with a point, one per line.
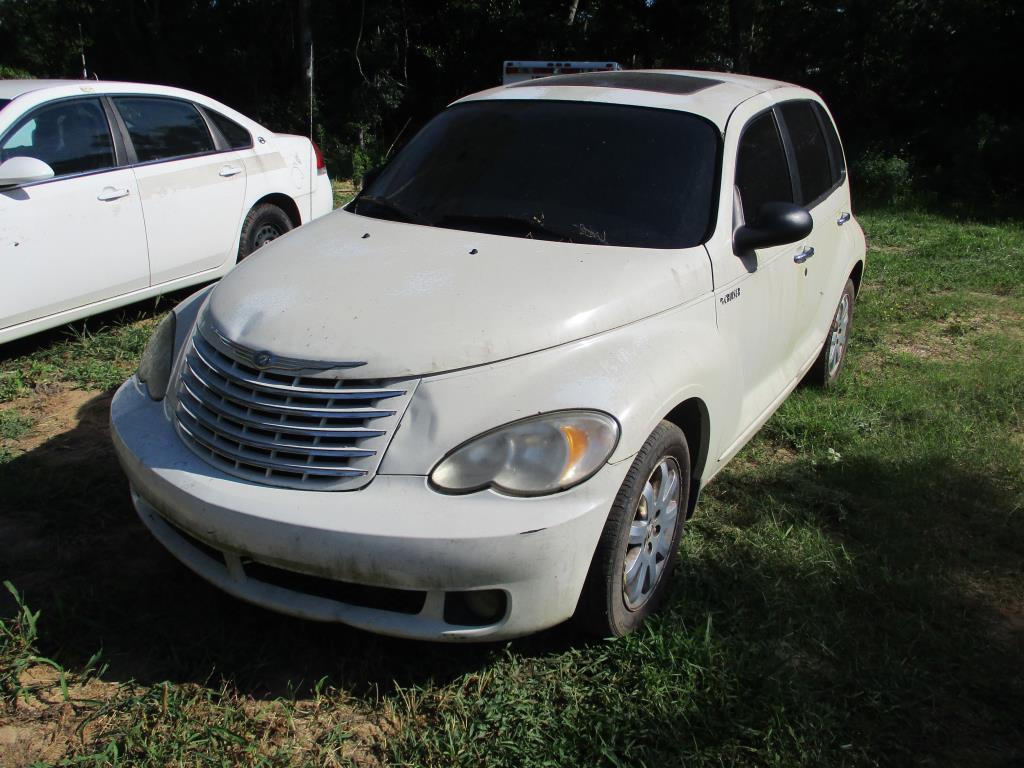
(478, 608)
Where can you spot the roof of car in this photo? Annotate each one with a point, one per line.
(711, 94)
(56, 89)
(11, 89)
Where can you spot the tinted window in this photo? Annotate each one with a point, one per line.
(580, 172)
(762, 173)
(235, 135)
(812, 159)
(69, 136)
(835, 148)
(4, 103)
(163, 128)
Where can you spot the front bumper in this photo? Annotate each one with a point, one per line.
(395, 536)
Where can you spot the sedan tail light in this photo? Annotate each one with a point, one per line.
(321, 166)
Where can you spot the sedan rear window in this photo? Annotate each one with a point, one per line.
(163, 128)
(581, 172)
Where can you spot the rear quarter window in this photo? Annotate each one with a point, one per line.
(235, 135)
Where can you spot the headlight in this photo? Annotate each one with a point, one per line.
(539, 455)
(155, 367)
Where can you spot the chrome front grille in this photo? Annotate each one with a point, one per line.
(313, 431)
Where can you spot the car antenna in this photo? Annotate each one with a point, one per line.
(312, 160)
(81, 49)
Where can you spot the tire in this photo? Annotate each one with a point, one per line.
(613, 603)
(829, 363)
(265, 222)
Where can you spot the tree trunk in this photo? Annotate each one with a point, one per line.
(572, 12)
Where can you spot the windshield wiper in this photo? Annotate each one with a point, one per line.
(509, 224)
(391, 206)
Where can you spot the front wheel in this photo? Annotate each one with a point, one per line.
(265, 222)
(630, 573)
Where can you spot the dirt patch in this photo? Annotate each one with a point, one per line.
(49, 722)
(57, 409)
(952, 337)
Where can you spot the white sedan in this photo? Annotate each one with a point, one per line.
(114, 192)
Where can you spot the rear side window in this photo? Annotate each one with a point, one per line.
(163, 128)
(812, 156)
(70, 136)
(762, 173)
(235, 135)
(834, 147)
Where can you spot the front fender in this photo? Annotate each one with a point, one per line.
(637, 373)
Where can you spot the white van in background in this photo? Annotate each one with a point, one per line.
(518, 71)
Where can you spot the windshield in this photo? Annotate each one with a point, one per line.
(579, 172)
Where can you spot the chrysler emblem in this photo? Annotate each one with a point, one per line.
(262, 359)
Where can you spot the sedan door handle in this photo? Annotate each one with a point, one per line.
(843, 218)
(804, 255)
(110, 193)
(230, 170)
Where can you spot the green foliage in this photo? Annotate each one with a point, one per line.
(98, 353)
(13, 73)
(880, 179)
(905, 79)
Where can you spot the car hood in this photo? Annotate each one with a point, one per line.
(410, 300)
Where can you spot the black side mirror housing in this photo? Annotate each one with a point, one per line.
(774, 224)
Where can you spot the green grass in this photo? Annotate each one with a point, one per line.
(851, 588)
(97, 353)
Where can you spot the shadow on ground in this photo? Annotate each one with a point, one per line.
(71, 543)
(886, 638)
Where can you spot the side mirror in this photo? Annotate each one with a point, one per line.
(22, 170)
(370, 176)
(774, 224)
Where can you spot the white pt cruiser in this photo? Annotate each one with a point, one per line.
(483, 397)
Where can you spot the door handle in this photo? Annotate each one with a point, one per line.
(804, 255)
(843, 218)
(230, 170)
(110, 193)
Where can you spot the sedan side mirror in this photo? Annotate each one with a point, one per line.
(22, 170)
(774, 224)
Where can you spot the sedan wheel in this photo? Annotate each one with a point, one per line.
(264, 223)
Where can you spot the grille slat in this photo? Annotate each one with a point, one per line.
(275, 427)
(209, 359)
(246, 418)
(269, 444)
(287, 407)
(274, 463)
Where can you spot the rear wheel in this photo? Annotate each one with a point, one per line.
(630, 573)
(265, 222)
(826, 369)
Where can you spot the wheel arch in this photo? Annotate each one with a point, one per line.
(856, 274)
(691, 416)
(285, 203)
